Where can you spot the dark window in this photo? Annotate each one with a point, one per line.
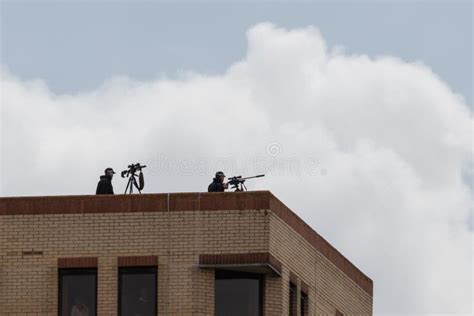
(293, 300)
(304, 304)
(238, 293)
(137, 291)
(77, 292)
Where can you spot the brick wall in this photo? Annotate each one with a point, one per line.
(175, 229)
(327, 286)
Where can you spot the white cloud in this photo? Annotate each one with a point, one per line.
(371, 152)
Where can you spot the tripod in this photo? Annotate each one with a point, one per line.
(240, 186)
(131, 183)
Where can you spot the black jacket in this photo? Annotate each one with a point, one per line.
(105, 185)
(216, 186)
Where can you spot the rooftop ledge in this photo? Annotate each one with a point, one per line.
(173, 202)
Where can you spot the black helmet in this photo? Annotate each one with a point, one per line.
(109, 169)
(220, 174)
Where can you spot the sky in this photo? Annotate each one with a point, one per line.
(359, 114)
(77, 45)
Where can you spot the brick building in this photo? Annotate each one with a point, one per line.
(241, 253)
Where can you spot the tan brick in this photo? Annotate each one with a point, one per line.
(32, 242)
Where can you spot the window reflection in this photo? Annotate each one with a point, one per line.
(137, 291)
(293, 300)
(238, 294)
(78, 291)
(304, 304)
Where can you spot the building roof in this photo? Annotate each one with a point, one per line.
(173, 202)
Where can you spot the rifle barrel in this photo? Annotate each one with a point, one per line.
(257, 176)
